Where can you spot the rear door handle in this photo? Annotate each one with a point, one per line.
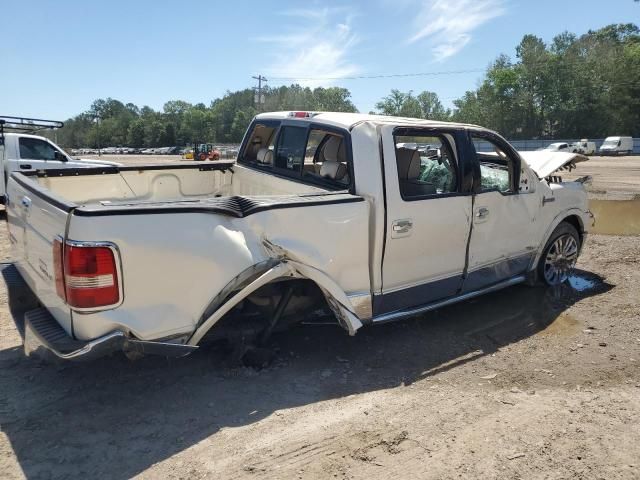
(482, 212)
(401, 228)
(26, 202)
(25, 166)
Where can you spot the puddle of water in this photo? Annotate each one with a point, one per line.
(580, 284)
(565, 324)
(616, 217)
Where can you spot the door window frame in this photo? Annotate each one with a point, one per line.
(53, 147)
(463, 168)
(506, 147)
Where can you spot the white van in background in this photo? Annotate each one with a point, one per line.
(617, 146)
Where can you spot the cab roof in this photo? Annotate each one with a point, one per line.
(350, 120)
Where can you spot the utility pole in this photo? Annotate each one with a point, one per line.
(259, 98)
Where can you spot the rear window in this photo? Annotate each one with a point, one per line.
(291, 148)
(312, 154)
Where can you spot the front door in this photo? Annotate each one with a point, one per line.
(37, 154)
(503, 239)
(427, 221)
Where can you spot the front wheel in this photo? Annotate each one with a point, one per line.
(560, 255)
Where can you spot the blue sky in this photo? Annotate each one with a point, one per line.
(58, 56)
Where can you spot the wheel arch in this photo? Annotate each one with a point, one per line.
(572, 216)
(269, 272)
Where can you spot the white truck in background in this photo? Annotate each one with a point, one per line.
(336, 212)
(561, 147)
(617, 146)
(20, 150)
(586, 147)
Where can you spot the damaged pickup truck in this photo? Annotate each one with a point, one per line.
(369, 218)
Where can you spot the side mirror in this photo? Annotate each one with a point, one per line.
(61, 157)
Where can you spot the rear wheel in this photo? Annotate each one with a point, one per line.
(560, 255)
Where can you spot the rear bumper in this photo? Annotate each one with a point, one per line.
(44, 337)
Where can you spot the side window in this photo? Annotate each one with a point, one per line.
(496, 166)
(260, 146)
(326, 158)
(290, 150)
(426, 165)
(36, 149)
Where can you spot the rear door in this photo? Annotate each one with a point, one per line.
(428, 205)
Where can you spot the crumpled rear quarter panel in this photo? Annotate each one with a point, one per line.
(173, 264)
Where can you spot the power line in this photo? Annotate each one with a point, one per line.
(544, 62)
(391, 75)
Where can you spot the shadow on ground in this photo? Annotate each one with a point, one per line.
(113, 418)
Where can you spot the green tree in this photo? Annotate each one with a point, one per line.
(135, 134)
(426, 105)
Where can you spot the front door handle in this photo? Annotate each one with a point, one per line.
(482, 212)
(25, 166)
(401, 228)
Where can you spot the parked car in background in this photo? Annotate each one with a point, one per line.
(586, 147)
(384, 218)
(617, 146)
(561, 147)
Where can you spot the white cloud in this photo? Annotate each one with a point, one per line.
(314, 53)
(448, 24)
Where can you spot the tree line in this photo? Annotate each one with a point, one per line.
(573, 87)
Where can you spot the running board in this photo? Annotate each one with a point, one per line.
(390, 317)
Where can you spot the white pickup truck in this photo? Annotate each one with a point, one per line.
(20, 150)
(372, 218)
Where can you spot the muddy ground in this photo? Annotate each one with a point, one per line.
(523, 383)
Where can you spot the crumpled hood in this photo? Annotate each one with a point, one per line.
(546, 163)
(99, 163)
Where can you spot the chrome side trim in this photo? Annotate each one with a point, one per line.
(389, 317)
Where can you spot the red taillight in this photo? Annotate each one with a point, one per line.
(89, 278)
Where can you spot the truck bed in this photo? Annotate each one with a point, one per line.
(182, 233)
(161, 183)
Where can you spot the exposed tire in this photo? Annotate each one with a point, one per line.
(559, 255)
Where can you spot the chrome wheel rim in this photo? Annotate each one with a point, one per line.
(560, 260)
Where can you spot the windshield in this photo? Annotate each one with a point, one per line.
(610, 142)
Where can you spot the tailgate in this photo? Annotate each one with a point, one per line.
(35, 218)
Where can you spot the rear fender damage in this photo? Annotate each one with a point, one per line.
(276, 268)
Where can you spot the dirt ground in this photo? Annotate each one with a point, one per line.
(613, 177)
(523, 383)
